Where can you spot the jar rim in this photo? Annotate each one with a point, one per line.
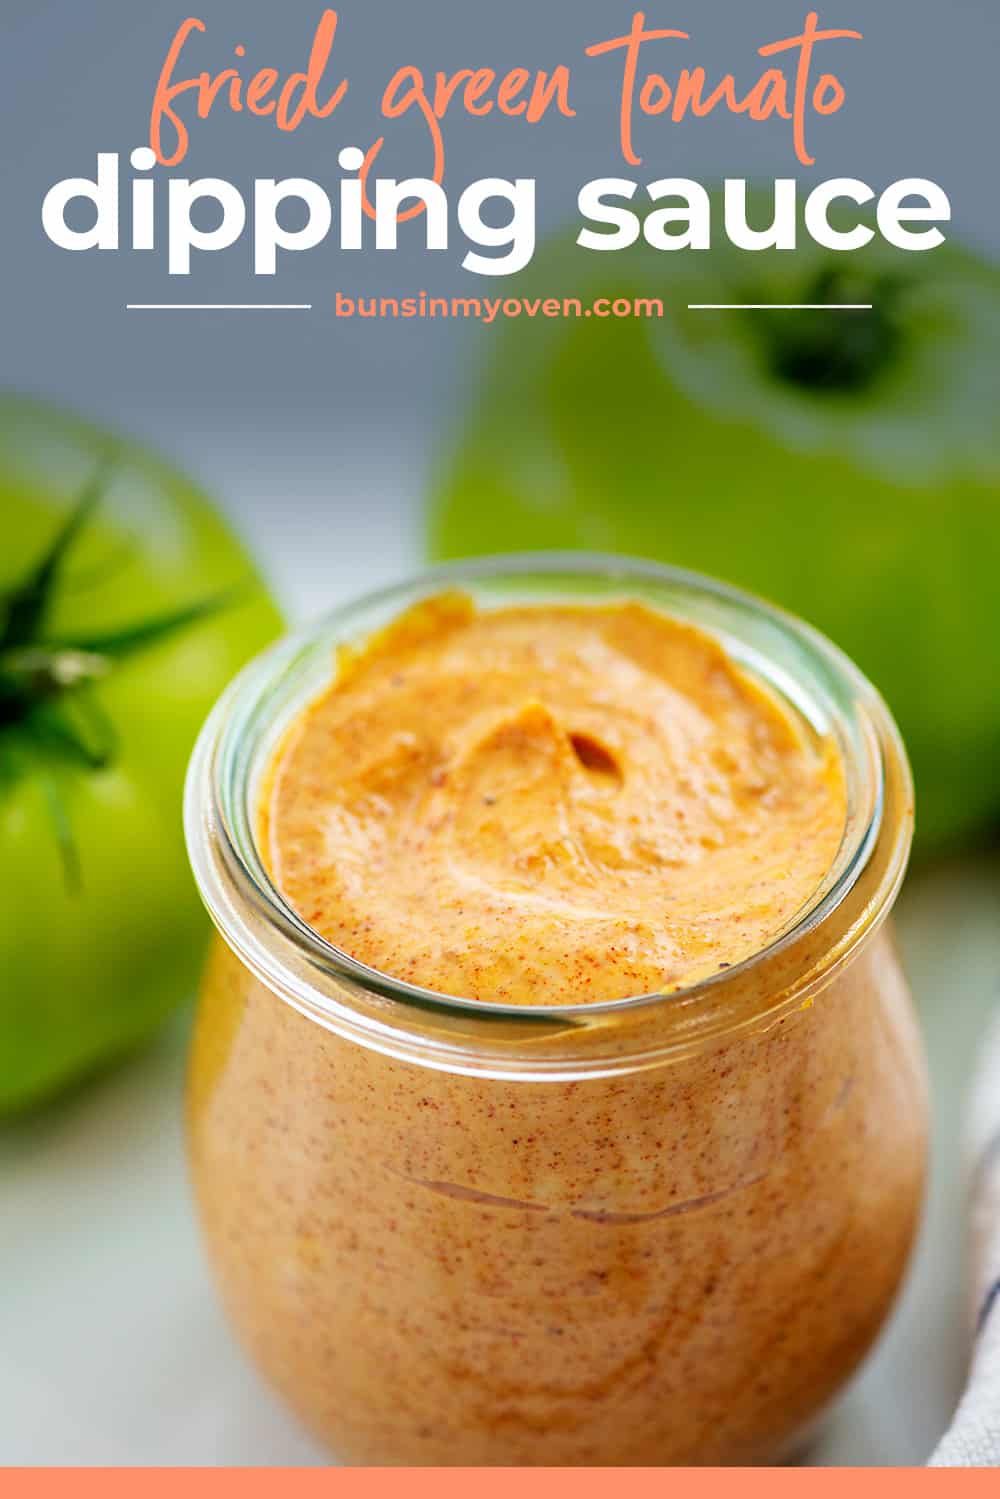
(242, 732)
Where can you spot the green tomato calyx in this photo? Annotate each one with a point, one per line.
(835, 350)
(51, 717)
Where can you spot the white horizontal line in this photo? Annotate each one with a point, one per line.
(780, 307)
(218, 306)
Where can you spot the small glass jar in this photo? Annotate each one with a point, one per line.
(657, 1231)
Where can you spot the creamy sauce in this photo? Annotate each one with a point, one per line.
(549, 805)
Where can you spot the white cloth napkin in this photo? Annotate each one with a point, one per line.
(973, 1440)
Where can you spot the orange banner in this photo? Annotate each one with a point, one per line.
(490, 1483)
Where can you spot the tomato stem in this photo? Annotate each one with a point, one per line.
(842, 350)
(47, 695)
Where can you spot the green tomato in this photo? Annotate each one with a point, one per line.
(843, 464)
(101, 930)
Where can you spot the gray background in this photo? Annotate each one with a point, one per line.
(300, 409)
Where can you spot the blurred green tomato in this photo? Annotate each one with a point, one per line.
(843, 464)
(126, 605)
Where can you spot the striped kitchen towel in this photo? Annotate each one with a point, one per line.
(974, 1438)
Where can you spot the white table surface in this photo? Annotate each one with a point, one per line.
(112, 1347)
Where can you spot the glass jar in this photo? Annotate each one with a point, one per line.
(657, 1231)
